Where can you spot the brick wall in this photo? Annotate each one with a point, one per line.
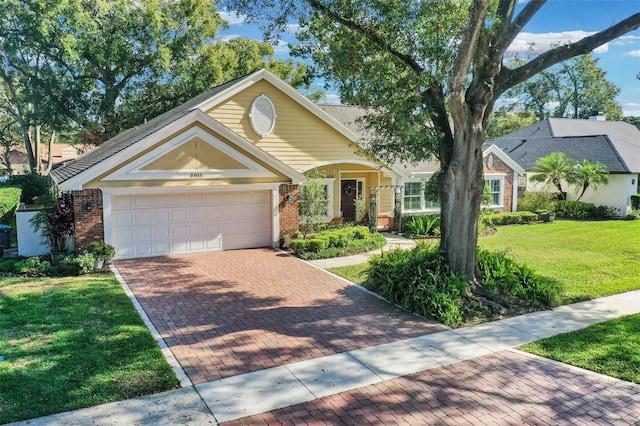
(289, 220)
(500, 166)
(88, 222)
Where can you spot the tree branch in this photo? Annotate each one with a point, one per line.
(510, 77)
(369, 34)
(466, 51)
(525, 15)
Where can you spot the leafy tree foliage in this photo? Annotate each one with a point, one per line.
(502, 123)
(577, 86)
(585, 174)
(312, 203)
(552, 169)
(100, 66)
(430, 72)
(557, 167)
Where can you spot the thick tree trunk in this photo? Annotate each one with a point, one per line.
(461, 190)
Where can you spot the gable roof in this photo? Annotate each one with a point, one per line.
(616, 144)
(128, 137)
(203, 102)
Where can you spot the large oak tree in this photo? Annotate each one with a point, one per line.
(430, 72)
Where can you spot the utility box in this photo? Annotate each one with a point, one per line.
(5, 236)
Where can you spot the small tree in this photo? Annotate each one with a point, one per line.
(312, 203)
(584, 174)
(552, 169)
(56, 223)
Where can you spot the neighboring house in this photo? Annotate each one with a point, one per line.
(60, 152)
(616, 144)
(222, 172)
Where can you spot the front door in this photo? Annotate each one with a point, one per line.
(348, 194)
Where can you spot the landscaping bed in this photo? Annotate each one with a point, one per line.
(336, 242)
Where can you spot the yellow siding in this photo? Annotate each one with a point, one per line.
(299, 139)
(99, 183)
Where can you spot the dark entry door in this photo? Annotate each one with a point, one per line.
(348, 194)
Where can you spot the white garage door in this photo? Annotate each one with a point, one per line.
(155, 225)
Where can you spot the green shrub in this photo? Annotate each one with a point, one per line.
(338, 241)
(35, 188)
(9, 200)
(100, 250)
(506, 277)
(635, 202)
(573, 209)
(418, 280)
(76, 265)
(32, 267)
(7, 266)
(423, 225)
(536, 201)
(421, 282)
(581, 210)
(509, 218)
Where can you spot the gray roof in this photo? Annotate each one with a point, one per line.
(129, 137)
(348, 116)
(616, 144)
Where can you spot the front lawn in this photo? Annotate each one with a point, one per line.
(589, 259)
(70, 343)
(611, 348)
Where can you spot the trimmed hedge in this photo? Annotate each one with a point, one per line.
(9, 200)
(336, 242)
(516, 218)
(580, 210)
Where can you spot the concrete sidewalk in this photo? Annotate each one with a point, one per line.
(266, 390)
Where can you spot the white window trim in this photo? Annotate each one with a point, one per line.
(423, 202)
(500, 177)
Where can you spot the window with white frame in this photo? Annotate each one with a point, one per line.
(495, 186)
(328, 185)
(414, 199)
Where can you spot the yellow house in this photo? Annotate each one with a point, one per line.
(221, 172)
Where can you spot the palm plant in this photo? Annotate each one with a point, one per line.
(552, 169)
(585, 174)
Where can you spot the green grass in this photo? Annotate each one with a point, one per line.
(354, 273)
(71, 343)
(589, 259)
(610, 348)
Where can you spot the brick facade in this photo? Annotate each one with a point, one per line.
(500, 166)
(87, 208)
(288, 207)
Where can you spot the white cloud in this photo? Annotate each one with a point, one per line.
(531, 43)
(635, 53)
(233, 18)
(282, 48)
(332, 99)
(631, 108)
(228, 37)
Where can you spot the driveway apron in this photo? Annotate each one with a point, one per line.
(234, 312)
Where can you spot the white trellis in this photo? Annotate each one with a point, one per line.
(374, 191)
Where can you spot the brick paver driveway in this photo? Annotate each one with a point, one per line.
(504, 388)
(228, 313)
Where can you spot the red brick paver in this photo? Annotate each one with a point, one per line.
(505, 388)
(228, 313)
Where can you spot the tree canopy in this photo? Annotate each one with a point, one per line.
(430, 73)
(575, 88)
(100, 66)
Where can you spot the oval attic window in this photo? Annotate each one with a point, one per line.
(262, 115)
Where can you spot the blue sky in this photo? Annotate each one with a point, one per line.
(557, 21)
